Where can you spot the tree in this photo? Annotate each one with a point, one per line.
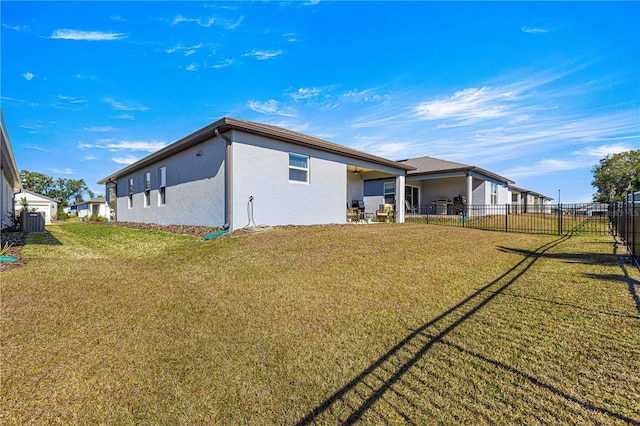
(71, 190)
(63, 190)
(616, 174)
(36, 182)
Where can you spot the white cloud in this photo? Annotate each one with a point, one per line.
(66, 171)
(367, 95)
(125, 117)
(223, 64)
(305, 93)
(28, 76)
(234, 25)
(70, 103)
(207, 22)
(263, 55)
(149, 146)
(544, 167)
(36, 147)
(191, 67)
(100, 129)
(291, 37)
(604, 150)
(84, 77)
(125, 106)
(389, 149)
(469, 105)
(88, 158)
(16, 27)
(68, 34)
(188, 50)
(534, 30)
(129, 159)
(271, 107)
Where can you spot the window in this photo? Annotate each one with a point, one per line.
(130, 193)
(162, 184)
(411, 194)
(147, 189)
(494, 193)
(389, 192)
(298, 168)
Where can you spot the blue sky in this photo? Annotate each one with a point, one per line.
(536, 92)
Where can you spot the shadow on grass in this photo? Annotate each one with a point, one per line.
(584, 258)
(349, 404)
(572, 306)
(42, 238)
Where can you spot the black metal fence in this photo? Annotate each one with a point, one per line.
(592, 218)
(625, 220)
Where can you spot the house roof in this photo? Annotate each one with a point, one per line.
(97, 200)
(226, 124)
(432, 166)
(528, 191)
(7, 160)
(44, 197)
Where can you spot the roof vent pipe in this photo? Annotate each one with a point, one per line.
(227, 180)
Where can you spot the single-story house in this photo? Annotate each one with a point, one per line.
(95, 207)
(233, 172)
(9, 177)
(527, 201)
(434, 186)
(37, 202)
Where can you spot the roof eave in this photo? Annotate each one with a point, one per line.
(466, 170)
(226, 124)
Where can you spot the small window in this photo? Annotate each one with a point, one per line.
(389, 192)
(147, 189)
(130, 193)
(494, 194)
(298, 168)
(162, 184)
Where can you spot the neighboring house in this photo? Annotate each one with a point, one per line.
(95, 207)
(527, 201)
(37, 202)
(233, 172)
(434, 184)
(9, 177)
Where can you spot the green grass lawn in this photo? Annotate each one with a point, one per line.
(381, 323)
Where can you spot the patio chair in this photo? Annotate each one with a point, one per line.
(385, 212)
(353, 214)
(409, 208)
(458, 204)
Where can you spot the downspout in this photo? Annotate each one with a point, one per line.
(227, 186)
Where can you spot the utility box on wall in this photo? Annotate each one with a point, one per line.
(32, 221)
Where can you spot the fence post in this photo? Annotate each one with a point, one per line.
(559, 219)
(634, 248)
(506, 218)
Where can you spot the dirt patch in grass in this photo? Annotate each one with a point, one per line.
(16, 241)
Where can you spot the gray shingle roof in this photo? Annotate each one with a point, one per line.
(225, 124)
(430, 166)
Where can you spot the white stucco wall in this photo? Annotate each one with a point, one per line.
(261, 169)
(355, 188)
(6, 202)
(87, 209)
(194, 189)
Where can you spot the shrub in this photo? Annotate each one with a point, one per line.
(95, 218)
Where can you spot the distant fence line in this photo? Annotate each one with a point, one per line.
(625, 221)
(591, 218)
